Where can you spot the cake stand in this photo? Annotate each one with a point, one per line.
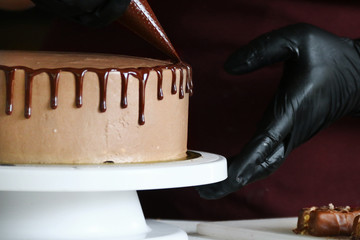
(95, 202)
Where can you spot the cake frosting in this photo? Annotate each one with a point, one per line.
(76, 108)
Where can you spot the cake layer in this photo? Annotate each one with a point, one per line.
(71, 108)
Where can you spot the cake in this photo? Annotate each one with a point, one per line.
(326, 221)
(78, 108)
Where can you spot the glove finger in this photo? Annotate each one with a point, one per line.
(91, 13)
(111, 11)
(67, 10)
(235, 182)
(86, 6)
(265, 50)
(260, 157)
(216, 190)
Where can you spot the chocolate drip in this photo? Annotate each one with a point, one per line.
(79, 80)
(124, 87)
(103, 77)
(173, 84)
(9, 76)
(181, 92)
(54, 84)
(28, 94)
(189, 82)
(142, 74)
(142, 85)
(160, 94)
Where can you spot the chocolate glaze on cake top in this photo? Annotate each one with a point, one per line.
(141, 73)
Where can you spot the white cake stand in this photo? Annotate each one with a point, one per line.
(94, 202)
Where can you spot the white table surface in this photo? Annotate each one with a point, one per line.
(257, 229)
(189, 227)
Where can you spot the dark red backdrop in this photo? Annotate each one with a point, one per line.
(225, 109)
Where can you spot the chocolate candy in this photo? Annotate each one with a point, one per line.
(326, 221)
(355, 235)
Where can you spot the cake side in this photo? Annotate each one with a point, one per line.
(130, 114)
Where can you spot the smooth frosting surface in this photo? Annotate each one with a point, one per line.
(36, 60)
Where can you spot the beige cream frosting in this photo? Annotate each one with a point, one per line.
(36, 60)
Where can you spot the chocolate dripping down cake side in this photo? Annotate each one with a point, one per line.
(72, 108)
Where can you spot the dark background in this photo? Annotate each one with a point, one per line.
(225, 109)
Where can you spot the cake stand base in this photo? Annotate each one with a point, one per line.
(163, 231)
(94, 202)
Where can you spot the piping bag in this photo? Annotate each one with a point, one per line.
(140, 19)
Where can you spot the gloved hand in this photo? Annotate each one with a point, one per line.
(87, 12)
(319, 85)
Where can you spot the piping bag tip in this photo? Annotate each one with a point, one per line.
(140, 19)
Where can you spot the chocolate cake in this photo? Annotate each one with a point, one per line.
(326, 221)
(72, 108)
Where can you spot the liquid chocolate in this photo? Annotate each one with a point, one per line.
(141, 74)
(140, 19)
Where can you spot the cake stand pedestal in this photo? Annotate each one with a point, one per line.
(94, 202)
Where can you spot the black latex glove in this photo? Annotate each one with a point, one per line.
(87, 12)
(319, 85)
